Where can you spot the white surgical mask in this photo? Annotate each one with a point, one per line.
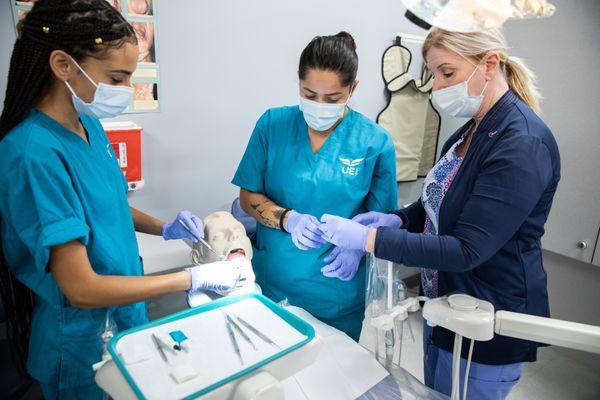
(455, 100)
(109, 100)
(322, 116)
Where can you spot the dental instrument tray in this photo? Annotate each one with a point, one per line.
(157, 364)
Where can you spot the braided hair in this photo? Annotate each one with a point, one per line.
(81, 28)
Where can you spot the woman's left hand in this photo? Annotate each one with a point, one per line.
(175, 229)
(343, 264)
(343, 232)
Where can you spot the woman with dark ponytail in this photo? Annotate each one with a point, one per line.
(320, 156)
(67, 233)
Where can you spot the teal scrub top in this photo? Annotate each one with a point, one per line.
(56, 188)
(353, 172)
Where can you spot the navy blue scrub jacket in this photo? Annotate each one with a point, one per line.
(490, 225)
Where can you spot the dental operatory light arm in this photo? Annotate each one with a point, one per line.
(263, 209)
(473, 15)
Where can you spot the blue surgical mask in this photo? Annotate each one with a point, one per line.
(455, 100)
(322, 116)
(109, 100)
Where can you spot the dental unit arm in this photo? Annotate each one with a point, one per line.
(387, 307)
(476, 320)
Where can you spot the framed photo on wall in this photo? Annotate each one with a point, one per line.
(141, 14)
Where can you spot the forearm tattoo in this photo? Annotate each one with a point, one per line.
(277, 213)
(266, 216)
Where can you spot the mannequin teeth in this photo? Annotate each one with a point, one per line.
(236, 253)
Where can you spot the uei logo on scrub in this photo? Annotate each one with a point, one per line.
(350, 167)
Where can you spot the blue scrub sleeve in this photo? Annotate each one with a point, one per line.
(250, 174)
(44, 209)
(506, 190)
(383, 192)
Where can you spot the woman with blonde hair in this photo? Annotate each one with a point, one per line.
(477, 227)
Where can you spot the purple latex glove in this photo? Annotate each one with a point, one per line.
(374, 219)
(174, 230)
(304, 229)
(343, 264)
(343, 232)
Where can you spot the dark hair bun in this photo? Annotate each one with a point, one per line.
(336, 53)
(348, 39)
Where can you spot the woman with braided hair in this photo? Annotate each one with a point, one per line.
(66, 229)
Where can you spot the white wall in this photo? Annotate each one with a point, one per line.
(223, 63)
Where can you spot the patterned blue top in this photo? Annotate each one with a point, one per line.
(436, 185)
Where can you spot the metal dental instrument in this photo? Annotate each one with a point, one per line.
(204, 242)
(160, 349)
(240, 331)
(258, 333)
(233, 340)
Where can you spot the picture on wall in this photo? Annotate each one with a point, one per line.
(145, 80)
(145, 97)
(140, 7)
(145, 36)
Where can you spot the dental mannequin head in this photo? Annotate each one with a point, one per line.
(226, 235)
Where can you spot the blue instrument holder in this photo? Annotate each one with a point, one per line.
(295, 322)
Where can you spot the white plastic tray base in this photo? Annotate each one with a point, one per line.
(212, 354)
(343, 370)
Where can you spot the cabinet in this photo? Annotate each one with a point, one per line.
(596, 259)
(558, 50)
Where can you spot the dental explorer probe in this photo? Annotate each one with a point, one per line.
(204, 242)
(240, 331)
(254, 330)
(233, 340)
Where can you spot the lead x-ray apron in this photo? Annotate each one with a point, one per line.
(409, 117)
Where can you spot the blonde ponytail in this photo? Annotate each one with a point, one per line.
(522, 81)
(475, 45)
